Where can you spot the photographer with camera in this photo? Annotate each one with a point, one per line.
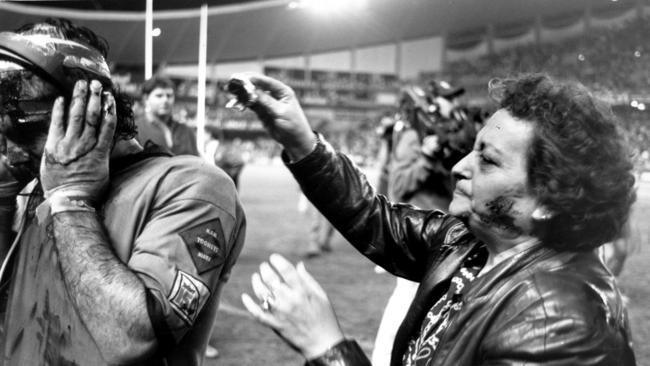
(422, 152)
(419, 176)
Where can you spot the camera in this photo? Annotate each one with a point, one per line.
(430, 112)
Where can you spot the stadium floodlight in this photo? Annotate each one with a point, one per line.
(329, 6)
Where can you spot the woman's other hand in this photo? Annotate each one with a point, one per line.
(278, 109)
(294, 305)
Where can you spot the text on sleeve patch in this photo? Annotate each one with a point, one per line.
(206, 245)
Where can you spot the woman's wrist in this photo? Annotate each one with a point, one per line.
(344, 352)
(299, 150)
(323, 346)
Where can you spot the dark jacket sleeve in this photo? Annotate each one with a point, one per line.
(397, 237)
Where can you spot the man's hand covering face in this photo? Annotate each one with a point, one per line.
(76, 154)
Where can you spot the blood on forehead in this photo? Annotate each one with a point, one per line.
(20, 83)
(25, 103)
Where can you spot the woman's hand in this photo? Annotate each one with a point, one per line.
(278, 109)
(294, 305)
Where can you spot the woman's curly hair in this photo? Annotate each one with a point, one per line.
(64, 29)
(578, 164)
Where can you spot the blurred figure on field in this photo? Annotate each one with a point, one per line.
(157, 124)
(214, 155)
(320, 230)
(385, 133)
(210, 148)
(229, 157)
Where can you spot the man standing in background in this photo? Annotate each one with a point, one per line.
(158, 125)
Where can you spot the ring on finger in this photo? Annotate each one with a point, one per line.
(267, 303)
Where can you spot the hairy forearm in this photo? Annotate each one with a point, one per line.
(109, 297)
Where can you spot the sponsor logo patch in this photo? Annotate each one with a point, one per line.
(206, 245)
(454, 233)
(187, 297)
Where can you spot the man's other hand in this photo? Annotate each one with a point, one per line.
(76, 154)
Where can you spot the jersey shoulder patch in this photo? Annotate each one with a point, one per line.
(206, 245)
(187, 296)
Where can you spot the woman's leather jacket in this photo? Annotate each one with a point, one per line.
(537, 307)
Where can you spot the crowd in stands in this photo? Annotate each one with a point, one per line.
(605, 59)
(361, 144)
(610, 61)
(613, 62)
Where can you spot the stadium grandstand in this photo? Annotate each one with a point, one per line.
(349, 59)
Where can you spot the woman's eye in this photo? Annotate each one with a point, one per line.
(484, 160)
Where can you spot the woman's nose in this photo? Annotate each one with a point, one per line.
(461, 169)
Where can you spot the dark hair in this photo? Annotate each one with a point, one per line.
(578, 164)
(64, 29)
(156, 82)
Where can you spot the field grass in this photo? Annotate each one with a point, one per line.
(270, 197)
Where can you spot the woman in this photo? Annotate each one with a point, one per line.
(509, 276)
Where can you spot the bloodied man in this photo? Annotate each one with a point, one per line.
(120, 252)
